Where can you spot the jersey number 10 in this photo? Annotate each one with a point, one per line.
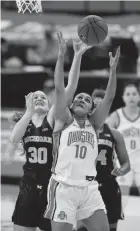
(81, 152)
(38, 155)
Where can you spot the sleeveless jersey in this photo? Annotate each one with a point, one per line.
(75, 151)
(131, 134)
(37, 143)
(105, 159)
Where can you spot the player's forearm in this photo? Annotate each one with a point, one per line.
(10, 150)
(59, 73)
(20, 127)
(73, 77)
(111, 86)
(125, 168)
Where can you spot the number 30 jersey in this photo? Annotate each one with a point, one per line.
(75, 151)
(37, 144)
(105, 160)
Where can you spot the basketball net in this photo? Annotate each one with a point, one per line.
(30, 5)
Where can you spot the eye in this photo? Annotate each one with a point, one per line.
(134, 93)
(35, 97)
(79, 97)
(88, 100)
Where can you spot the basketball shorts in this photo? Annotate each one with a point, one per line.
(70, 203)
(111, 194)
(31, 204)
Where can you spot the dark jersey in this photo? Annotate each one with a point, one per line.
(105, 159)
(37, 143)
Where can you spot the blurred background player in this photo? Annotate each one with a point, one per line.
(108, 141)
(127, 121)
(8, 59)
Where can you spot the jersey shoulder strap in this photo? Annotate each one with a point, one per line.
(108, 130)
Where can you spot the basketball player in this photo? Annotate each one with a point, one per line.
(108, 140)
(127, 121)
(73, 191)
(35, 129)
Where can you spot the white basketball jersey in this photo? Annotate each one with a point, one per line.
(75, 152)
(131, 134)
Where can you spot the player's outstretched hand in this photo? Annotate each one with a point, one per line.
(29, 102)
(114, 60)
(80, 47)
(117, 172)
(62, 44)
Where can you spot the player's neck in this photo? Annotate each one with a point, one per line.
(131, 110)
(37, 119)
(80, 121)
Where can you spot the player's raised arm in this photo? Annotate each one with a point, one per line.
(79, 49)
(60, 105)
(121, 154)
(20, 127)
(101, 112)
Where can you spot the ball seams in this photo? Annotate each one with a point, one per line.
(99, 25)
(87, 32)
(94, 30)
(82, 28)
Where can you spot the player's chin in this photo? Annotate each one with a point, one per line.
(79, 111)
(132, 103)
(40, 108)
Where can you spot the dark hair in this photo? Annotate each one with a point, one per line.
(17, 116)
(98, 93)
(3, 40)
(131, 84)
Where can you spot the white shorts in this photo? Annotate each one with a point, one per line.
(70, 203)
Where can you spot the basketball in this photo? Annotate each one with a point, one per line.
(92, 30)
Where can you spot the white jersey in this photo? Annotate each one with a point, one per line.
(75, 152)
(131, 134)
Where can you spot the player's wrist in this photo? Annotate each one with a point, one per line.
(61, 55)
(29, 113)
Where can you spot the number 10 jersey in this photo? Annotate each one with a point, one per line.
(75, 151)
(37, 144)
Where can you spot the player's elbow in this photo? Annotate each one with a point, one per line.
(59, 87)
(14, 139)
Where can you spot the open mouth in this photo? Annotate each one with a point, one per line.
(80, 105)
(39, 103)
(132, 101)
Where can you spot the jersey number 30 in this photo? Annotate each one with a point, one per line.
(38, 155)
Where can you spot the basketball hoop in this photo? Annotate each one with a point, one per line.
(30, 5)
